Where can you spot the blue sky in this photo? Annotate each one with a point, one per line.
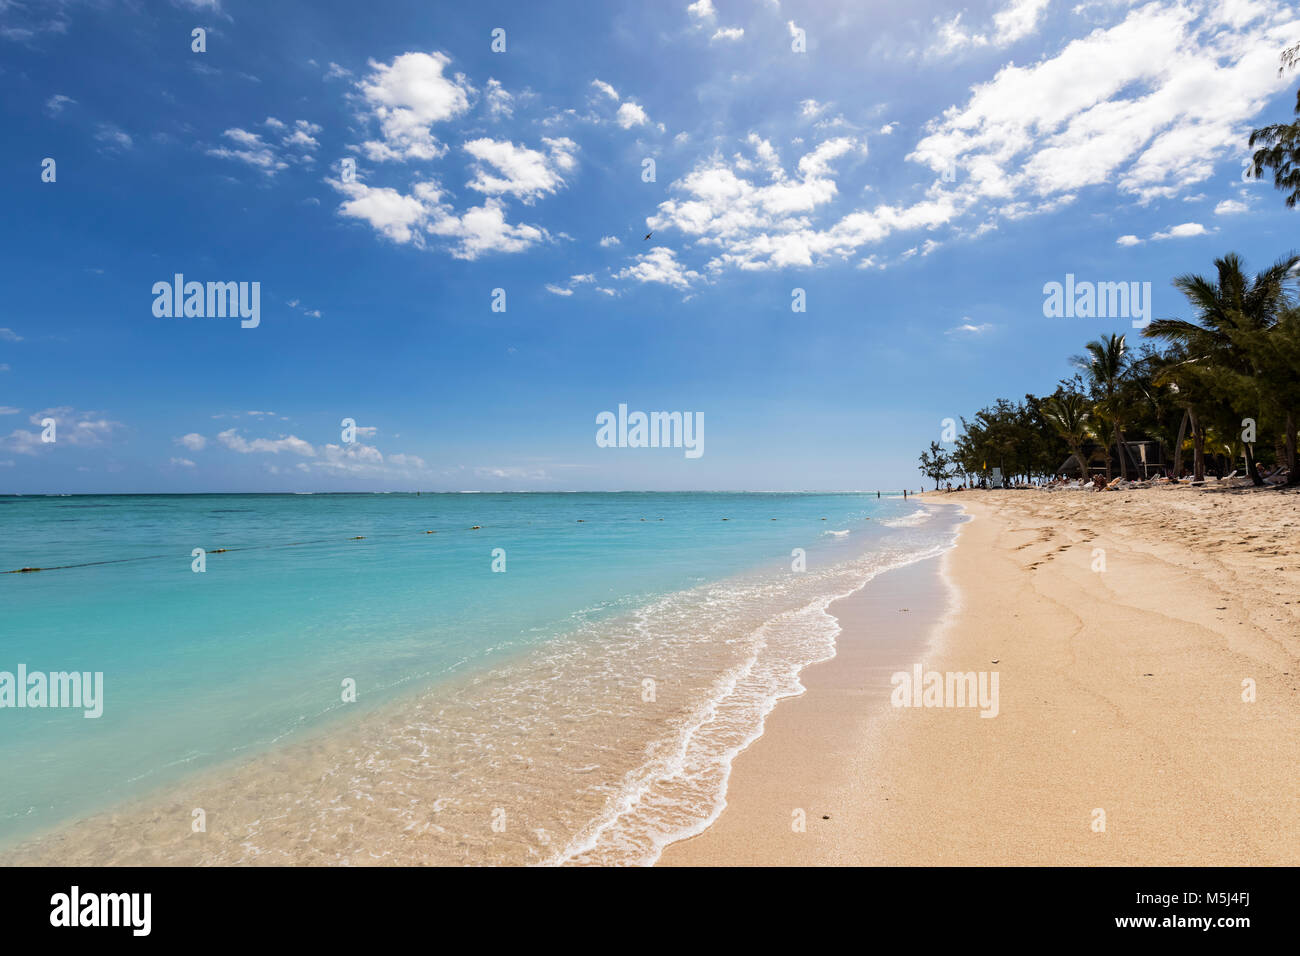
(919, 174)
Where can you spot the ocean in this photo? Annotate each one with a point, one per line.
(538, 678)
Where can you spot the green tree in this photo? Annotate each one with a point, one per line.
(1067, 413)
(935, 464)
(1229, 348)
(1279, 144)
(1106, 367)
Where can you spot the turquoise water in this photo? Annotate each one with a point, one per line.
(200, 668)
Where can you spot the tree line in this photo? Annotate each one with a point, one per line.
(1218, 387)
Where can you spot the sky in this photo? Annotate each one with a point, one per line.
(853, 209)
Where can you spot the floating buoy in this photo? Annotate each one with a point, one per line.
(359, 538)
(431, 532)
(476, 527)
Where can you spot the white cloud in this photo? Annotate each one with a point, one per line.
(405, 98)
(608, 241)
(728, 33)
(1148, 105)
(770, 226)
(969, 328)
(252, 150)
(1129, 240)
(113, 138)
(193, 441)
(484, 229)
(1182, 231)
(499, 102)
(57, 103)
(291, 443)
(702, 10)
(9, 335)
(391, 213)
(631, 114)
(606, 89)
(659, 265)
(520, 171)
(409, 218)
(512, 472)
(72, 427)
(558, 290)
(952, 38)
(1017, 20)
(182, 463)
(1230, 207)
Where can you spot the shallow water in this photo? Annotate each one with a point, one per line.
(501, 717)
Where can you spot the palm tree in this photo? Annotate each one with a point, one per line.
(1275, 352)
(1106, 366)
(1233, 315)
(1067, 412)
(1279, 144)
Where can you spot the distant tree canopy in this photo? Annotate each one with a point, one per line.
(1226, 383)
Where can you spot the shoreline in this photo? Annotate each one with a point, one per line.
(804, 759)
(395, 775)
(1121, 702)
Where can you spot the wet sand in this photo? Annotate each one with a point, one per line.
(1126, 629)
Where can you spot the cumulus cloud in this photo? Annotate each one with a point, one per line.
(519, 171)
(405, 98)
(290, 443)
(1017, 20)
(1182, 231)
(723, 204)
(193, 441)
(659, 265)
(631, 114)
(702, 10)
(422, 214)
(1149, 105)
(71, 428)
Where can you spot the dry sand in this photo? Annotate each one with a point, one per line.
(1120, 690)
